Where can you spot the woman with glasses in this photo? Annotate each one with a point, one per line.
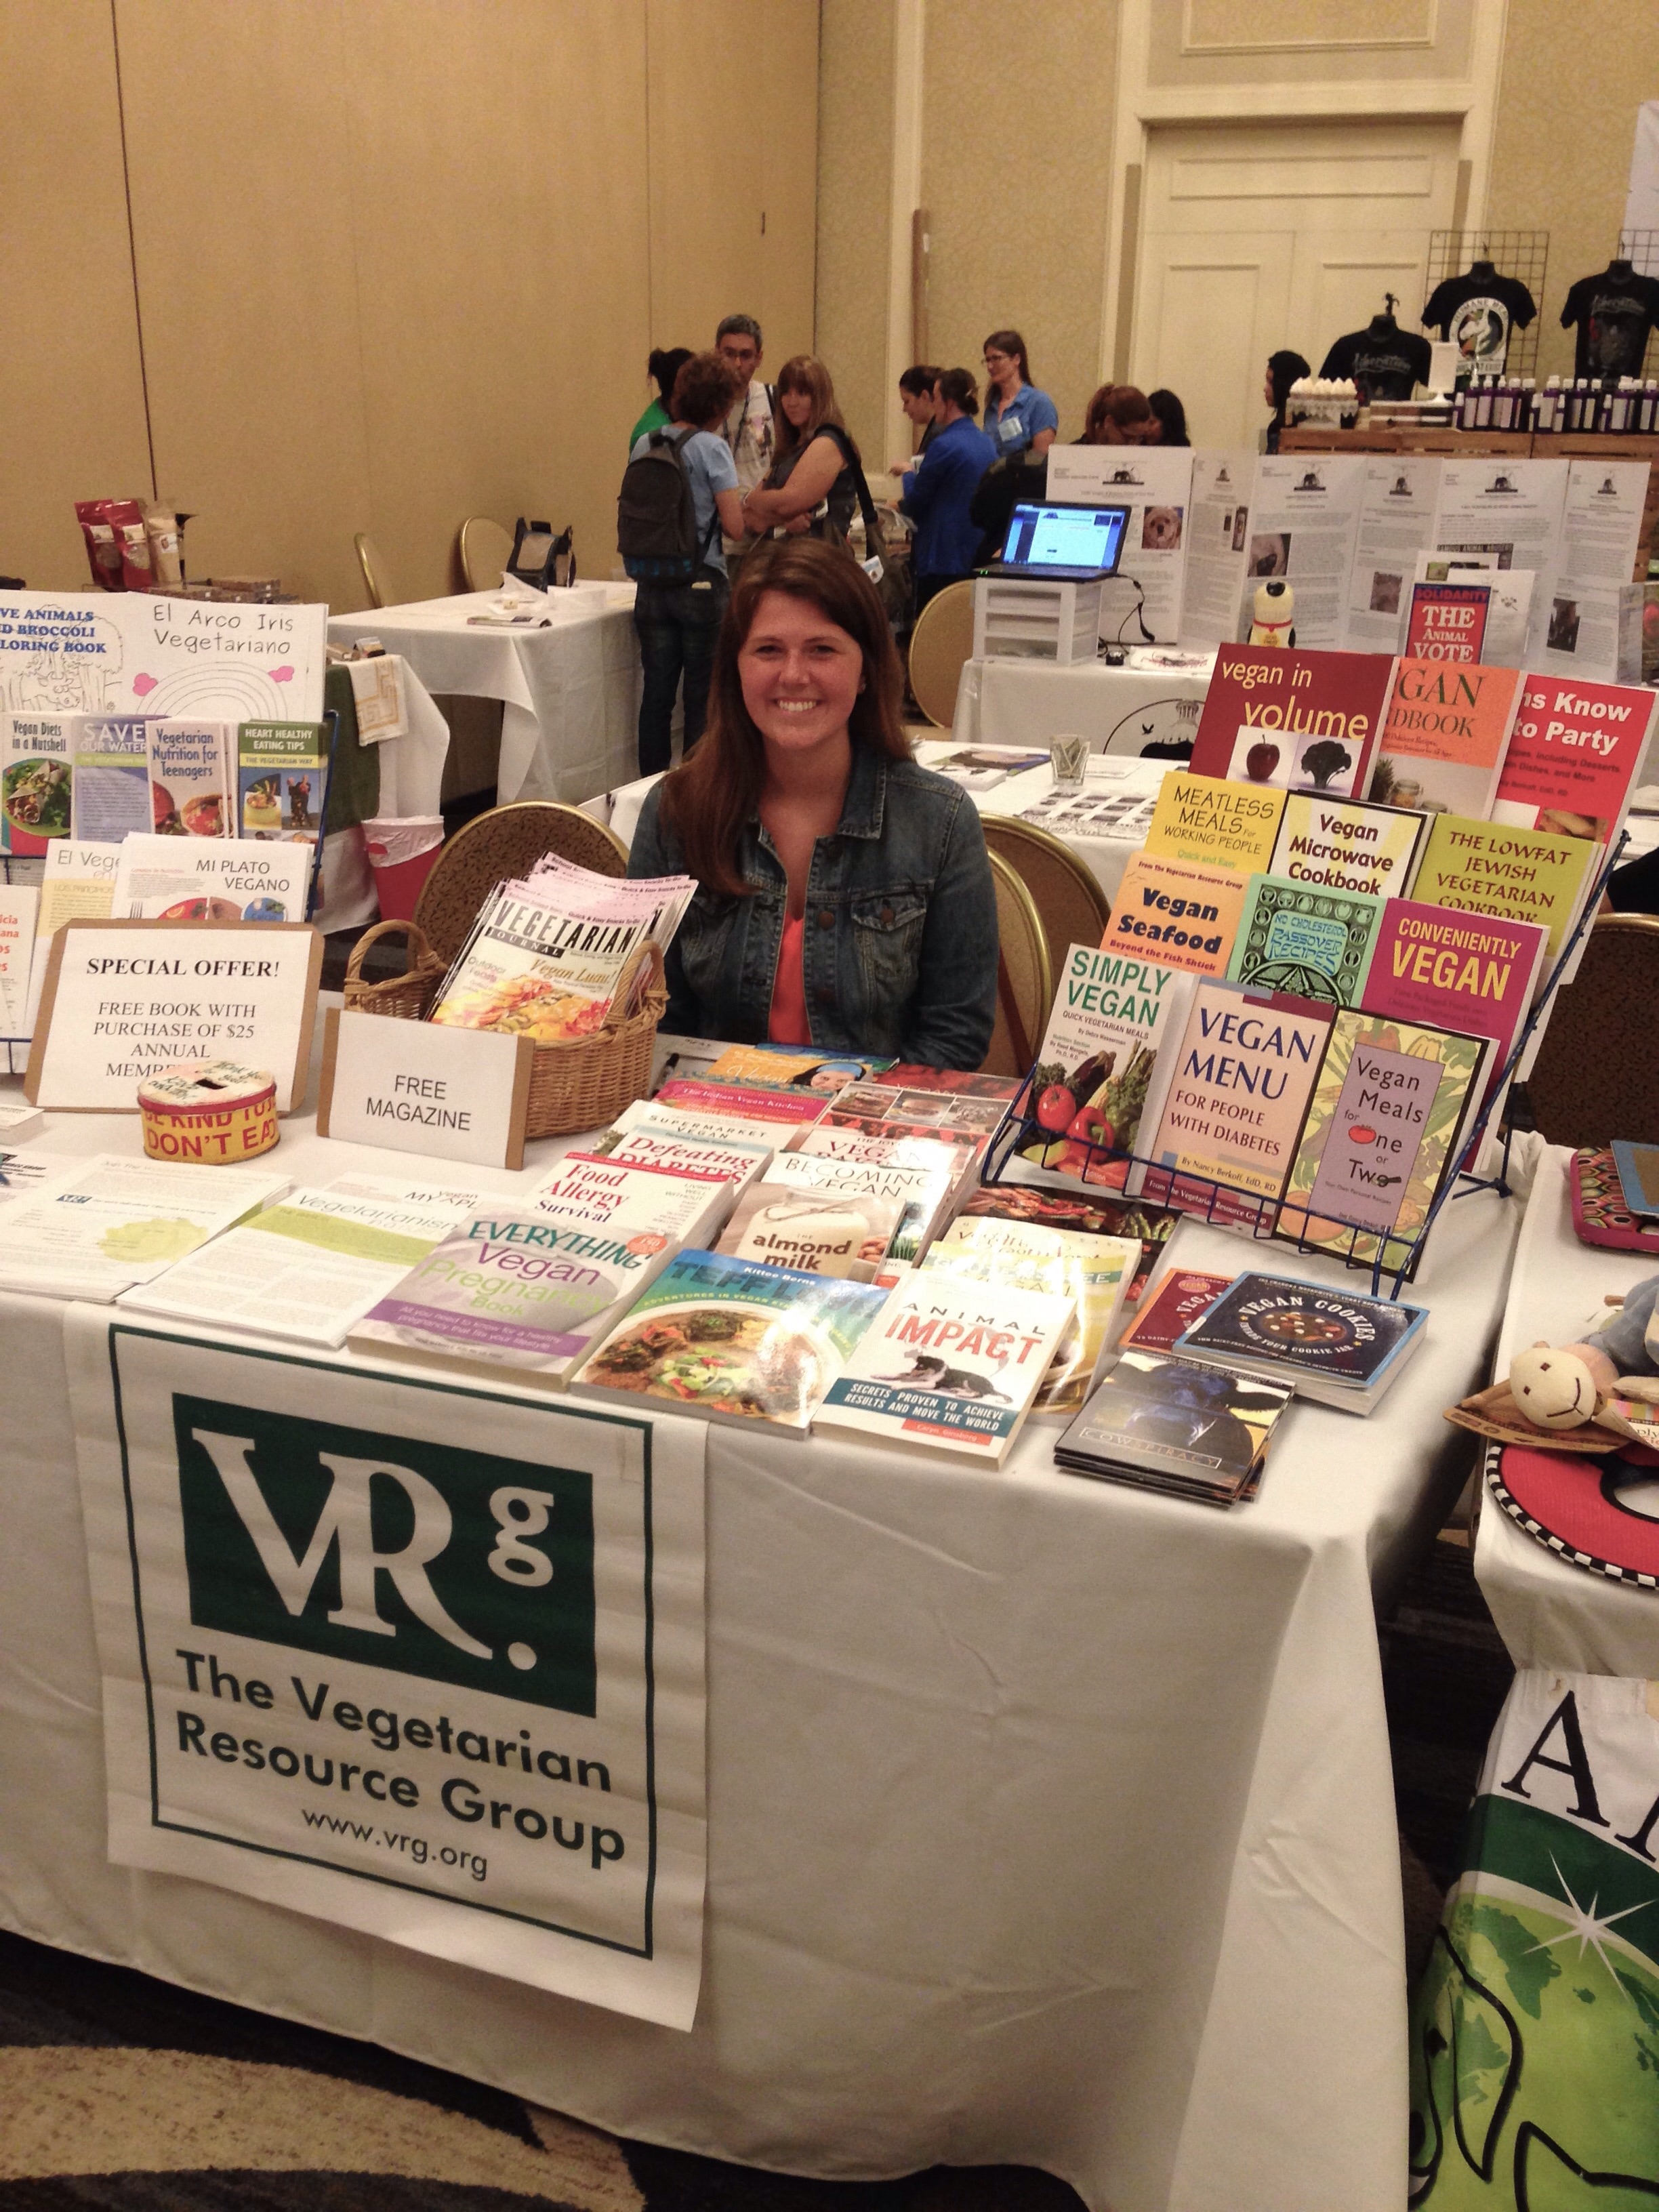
(1019, 418)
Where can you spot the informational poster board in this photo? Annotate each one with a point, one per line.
(419, 1658)
(1156, 488)
(141, 653)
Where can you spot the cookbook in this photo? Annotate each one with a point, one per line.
(1094, 1272)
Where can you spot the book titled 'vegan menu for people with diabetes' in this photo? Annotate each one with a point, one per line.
(950, 1366)
(736, 1340)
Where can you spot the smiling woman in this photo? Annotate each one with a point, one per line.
(844, 898)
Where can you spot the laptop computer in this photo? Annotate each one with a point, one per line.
(1062, 544)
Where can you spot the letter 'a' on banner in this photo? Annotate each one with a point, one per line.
(420, 1658)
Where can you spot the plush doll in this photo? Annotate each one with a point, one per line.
(1275, 614)
(1564, 1386)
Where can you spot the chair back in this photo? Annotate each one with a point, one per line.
(486, 549)
(502, 843)
(941, 641)
(1024, 980)
(1593, 1080)
(376, 581)
(1074, 909)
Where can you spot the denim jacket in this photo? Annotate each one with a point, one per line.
(899, 952)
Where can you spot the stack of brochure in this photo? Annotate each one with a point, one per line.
(543, 958)
(1173, 1425)
(109, 1222)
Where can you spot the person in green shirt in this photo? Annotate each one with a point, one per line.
(664, 365)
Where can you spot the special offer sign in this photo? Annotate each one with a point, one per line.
(422, 1659)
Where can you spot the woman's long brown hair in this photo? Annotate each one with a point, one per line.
(708, 801)
(801, 373)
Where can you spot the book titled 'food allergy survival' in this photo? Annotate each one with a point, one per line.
(1112, 1016)
(736, 1339)
(950, 1365)
(1337, 1346)
(1382, 1131)
(534, 1293)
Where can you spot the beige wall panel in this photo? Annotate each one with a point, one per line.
(1017, 150)
(789, 121)
(1572, 80)
(71, 395)
(1250, 43)
(498, 156)
(239, 149)
(707, 163)
(854, 171)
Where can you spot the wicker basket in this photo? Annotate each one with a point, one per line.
(583, 1084)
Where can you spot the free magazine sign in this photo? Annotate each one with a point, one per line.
(423, 1659)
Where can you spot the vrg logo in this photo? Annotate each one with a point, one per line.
(456, 1564)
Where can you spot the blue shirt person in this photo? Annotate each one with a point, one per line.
(937, 494)
(1019, 417)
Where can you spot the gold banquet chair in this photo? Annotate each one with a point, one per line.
(1594, 1077)
(485, 550)
(376, 581)
(1024, 980)
(505, 843)
(1074, 909)
(941, 641)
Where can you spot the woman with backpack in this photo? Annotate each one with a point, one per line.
(812, 489)
(682, 589)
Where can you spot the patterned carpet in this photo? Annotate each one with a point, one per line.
(118, 2094)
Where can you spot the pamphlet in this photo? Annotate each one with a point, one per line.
(1113, 1016)
(1579, 628)
(18, 908)
(111, 779)
(1217, 532)
(1396, 523)
(281, 780)
(1245, 1071)
(1094, 1272)
(162, 878)
(1332, 1345)
(950, 1363)
(982, 767)
(1176, 1426)
(116, 1222)
(1314, 943)
(735, 1339)
(1125, 816)
(1304, 526)
(37, 757)
(1382, 1132)
(1518, 875)
(1313, 718)
(1348, 845)
(303, 1271)
(1218, 823)
(1511, 509)
(1444, 736)
(191, 784)
(1177, 914)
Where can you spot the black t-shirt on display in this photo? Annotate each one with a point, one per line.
(1384, 367)
(1477, 313)
(1614, 315)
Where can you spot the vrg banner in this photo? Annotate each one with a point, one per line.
(407, 1655)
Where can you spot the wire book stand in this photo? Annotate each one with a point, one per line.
(1641, 249)
(1208, 1197)
(1522, 254)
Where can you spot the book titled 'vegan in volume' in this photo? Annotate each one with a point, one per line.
(950, 1366)
(1297, 718)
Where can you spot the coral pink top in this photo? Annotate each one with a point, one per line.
(788, 1024)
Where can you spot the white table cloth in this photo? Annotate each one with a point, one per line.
(1120, 710)
(412, 783)
(1549, 1613)
(1049, 1821)
(569, 694)
(1105, 857)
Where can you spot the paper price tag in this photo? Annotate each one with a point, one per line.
(417, 1087)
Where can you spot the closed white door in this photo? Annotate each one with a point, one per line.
(1258, 237)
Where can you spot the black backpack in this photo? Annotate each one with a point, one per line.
(656, 525)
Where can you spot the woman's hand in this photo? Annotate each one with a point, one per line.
(798, 526)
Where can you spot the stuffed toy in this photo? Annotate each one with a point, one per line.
(1275, 614)
(1581, 1397)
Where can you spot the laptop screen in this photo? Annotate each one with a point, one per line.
(1066, 536)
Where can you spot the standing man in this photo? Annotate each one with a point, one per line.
(748, 431)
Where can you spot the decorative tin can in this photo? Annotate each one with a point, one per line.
(215, 1112)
